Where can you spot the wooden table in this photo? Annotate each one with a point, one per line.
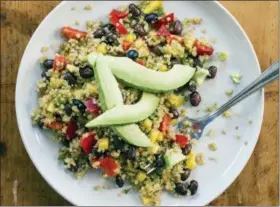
(256, 185)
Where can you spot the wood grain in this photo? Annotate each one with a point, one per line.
(256, 185)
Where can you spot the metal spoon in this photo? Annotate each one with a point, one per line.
(198, 125)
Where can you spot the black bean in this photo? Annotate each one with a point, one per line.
(108, 28)
(98, 33)
(175, 113)
(181, 188)
(159, 162)
(48, 64)
(131, 153)
(119, 181)
(195, 98)
(150, 18)
(111, 39)
(80, 105)
(118, 143)
(156, 50)
(96, 153)
(134, 10)
(132, 54)
(212, 72)
(193, 186)
(68, 109)
(139, 29)
(70, 78)
(197, 63)
(2, 148)
(187, 149)
(86, 72)
(41, 124)
(44, 75)
(174, 61)
(58, 117)
(176, 28)
(185, 175)
(65, 142)
(192, 86)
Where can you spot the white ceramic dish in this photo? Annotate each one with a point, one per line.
(232, 154)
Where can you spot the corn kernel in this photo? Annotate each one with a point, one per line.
(154, 136)
(152, 6)
(163, 68)
(147, 125)
(175, 101)
(51, 107)
(147, 201)
(141, 176)
(103, 144)
(130, 37)
(102, 48)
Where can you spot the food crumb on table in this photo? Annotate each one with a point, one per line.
(238, 136)
(44, 49)
(97, 187)
(199, 159)
(212, 146)
(211, 133)
(196, 20)
(236, 77)
(212, 108)
(88, 7)
(73, 8)
(246, 142)
(227, 114)
(223, 132)
(229, 92)
(212, 159)
(77, 23)
(223, 56)
(250, 122)
(236, 127)
(126, 191)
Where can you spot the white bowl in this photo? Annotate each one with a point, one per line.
(232, 154)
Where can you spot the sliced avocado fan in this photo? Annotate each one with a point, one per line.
(110, 96)
(139, 76)
(126, 114)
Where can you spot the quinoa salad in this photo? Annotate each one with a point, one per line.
(114, 93)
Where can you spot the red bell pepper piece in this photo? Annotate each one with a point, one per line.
(165, 124)
(59, 63)
(140, 61)
(92, 106)
(110, 166)
(115, 20)
(169, 18)
(163, 31)
(202, 49)
(72, 127)
(87, 142)
(55, 125)
(119, 14)
(182, 140)
(71, 33)
(126, 45)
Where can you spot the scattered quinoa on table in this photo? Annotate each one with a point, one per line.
(71, 95)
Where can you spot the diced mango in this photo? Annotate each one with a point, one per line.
(163, 68)
(103, 144)
(147, 201)
(175, 101)
(152, 6)
(102, 48)
(154, 149)
(160, 136)
(191, 163)
(154, 135)
(141, 176)
(147, 125)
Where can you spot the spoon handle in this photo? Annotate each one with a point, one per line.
(265, 78)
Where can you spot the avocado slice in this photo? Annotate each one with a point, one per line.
(127, 114)
(139, 76)
(172, 157)
(110, 96)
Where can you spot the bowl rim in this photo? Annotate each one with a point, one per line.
(68, 198)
